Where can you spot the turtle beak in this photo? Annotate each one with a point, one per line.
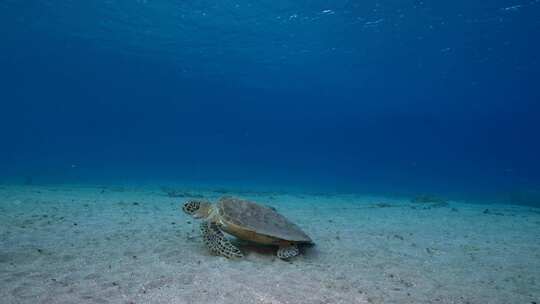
(196, 215)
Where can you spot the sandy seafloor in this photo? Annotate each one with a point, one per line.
(82, 244)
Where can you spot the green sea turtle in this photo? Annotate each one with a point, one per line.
(247, 221)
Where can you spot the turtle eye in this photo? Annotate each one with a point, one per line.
(191, 207)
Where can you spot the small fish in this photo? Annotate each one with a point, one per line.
(512, 8)
(373, 23)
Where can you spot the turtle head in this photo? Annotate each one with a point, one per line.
(197, 209)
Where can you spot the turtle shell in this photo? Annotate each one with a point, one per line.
(259, 219)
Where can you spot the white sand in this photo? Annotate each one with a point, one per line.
(114, 245)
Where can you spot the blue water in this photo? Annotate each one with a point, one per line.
(363, 96)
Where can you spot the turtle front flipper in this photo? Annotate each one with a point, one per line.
(288, 251)
(217, 242)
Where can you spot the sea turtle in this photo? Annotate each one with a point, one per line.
(247, 221)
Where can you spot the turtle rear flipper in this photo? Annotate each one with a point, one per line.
(288, 251)
(217, 242)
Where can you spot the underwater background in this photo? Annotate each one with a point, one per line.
(400, 136)
(382, 96)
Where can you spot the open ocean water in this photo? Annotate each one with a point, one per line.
(402, 136)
